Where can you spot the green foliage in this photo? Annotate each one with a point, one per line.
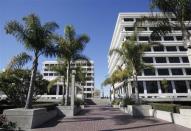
(5, 124)
(15, 84)
(165, 107)
(78, 102)
(116, 102)
(127, 101)
(48, 106)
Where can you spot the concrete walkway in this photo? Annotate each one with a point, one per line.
(103, 118)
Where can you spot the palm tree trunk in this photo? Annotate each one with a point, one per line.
(63, 90)
(136, 90)
(28, 104)
(113, 92)
(68, 83)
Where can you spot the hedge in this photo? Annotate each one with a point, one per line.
(165, 107)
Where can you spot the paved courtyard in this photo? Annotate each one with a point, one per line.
(103, 118)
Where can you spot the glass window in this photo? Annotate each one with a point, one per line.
(177, 71)
(45, 74)
(142, 28)
(181, 48)
(148, 59)
(156, 38)
(152, 28)
(166, 86)
(163, 72)
(140, 87)
(149, 72)
(168, 38)
(185, 60)
(180, 86)
(173, 19)
(152, 86)
(143, 38)
(188, 71)
(89, 84)
(160, 59)
(52, 90)
(88, 89)
(50, 74)
(171, 48)
(128, 19)
(179, 38)
(174, 59)
(158, 48)
(129, 29)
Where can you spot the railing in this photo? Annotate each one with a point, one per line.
(164, 95)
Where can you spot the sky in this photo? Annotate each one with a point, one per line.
(97, 18)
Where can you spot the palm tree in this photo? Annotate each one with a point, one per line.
(112, 80)
(179, 10)
(36, 38)
(131, 54)
(70, 47)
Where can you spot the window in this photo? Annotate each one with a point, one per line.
(158, 48)
(129, 29)
(180, 86)
(148, 59)
(140, 87)
(173, 19)
(45, 74)
(179, 38)
(152, 86)
(152, 28)
(188, 71)
(128, 19)
(155, 38)
(168, 38)
(88, 89)
(160, 59)
(171, 48)
(163, 72)
(50, 74)
(143, 38)
(181, 48)
(166, 87)
(149, 72)
(89, 84)
(142, 28)
(185, 60)
(174, 60)
(177, 71)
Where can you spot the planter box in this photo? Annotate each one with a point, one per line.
(138, 110)
(68, 111)
(185, 112)
(116, 106)
(29, 118)
(163, 115)
(183, 120)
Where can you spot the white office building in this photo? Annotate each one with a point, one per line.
(170, 61)
(87, 68)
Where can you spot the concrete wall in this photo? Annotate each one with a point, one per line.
(30, 118)
(163, 115)
(68, 111)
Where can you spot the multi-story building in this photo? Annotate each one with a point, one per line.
(170, 61)
(87, 69)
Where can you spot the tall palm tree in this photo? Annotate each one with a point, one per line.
(70, 47)
(36, 38)
(177, 9)
(131, 54)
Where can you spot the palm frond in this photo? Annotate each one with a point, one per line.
(52, 83)
(19, 61)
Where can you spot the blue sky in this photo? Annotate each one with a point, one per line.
(97, 18)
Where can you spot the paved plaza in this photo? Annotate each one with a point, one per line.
(104, 118)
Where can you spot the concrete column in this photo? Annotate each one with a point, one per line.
(159, 87)
(57, 89)
(145, 89)
(173, 88)
(188, 87)
(72, 88)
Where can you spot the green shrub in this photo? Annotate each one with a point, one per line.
(127, 101)
(48, 106)
(116, 102)
(5, 124)
(165, 107)
(78, 102)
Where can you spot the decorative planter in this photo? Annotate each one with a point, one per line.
(138, 110)
(163, 115)
(116, 106)
(68, 111)
(29, 118)
(185, 112)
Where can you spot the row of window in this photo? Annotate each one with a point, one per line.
(89, 75)
(152, 86)
(157, 38)
(166, 71)
(165, 59)
(149, 28)
(166, 48)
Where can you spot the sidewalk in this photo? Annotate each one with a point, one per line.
(103, 118)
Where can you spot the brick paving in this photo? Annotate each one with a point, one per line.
(103, 118)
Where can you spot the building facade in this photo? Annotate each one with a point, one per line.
(87, 69)
(170, 61)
